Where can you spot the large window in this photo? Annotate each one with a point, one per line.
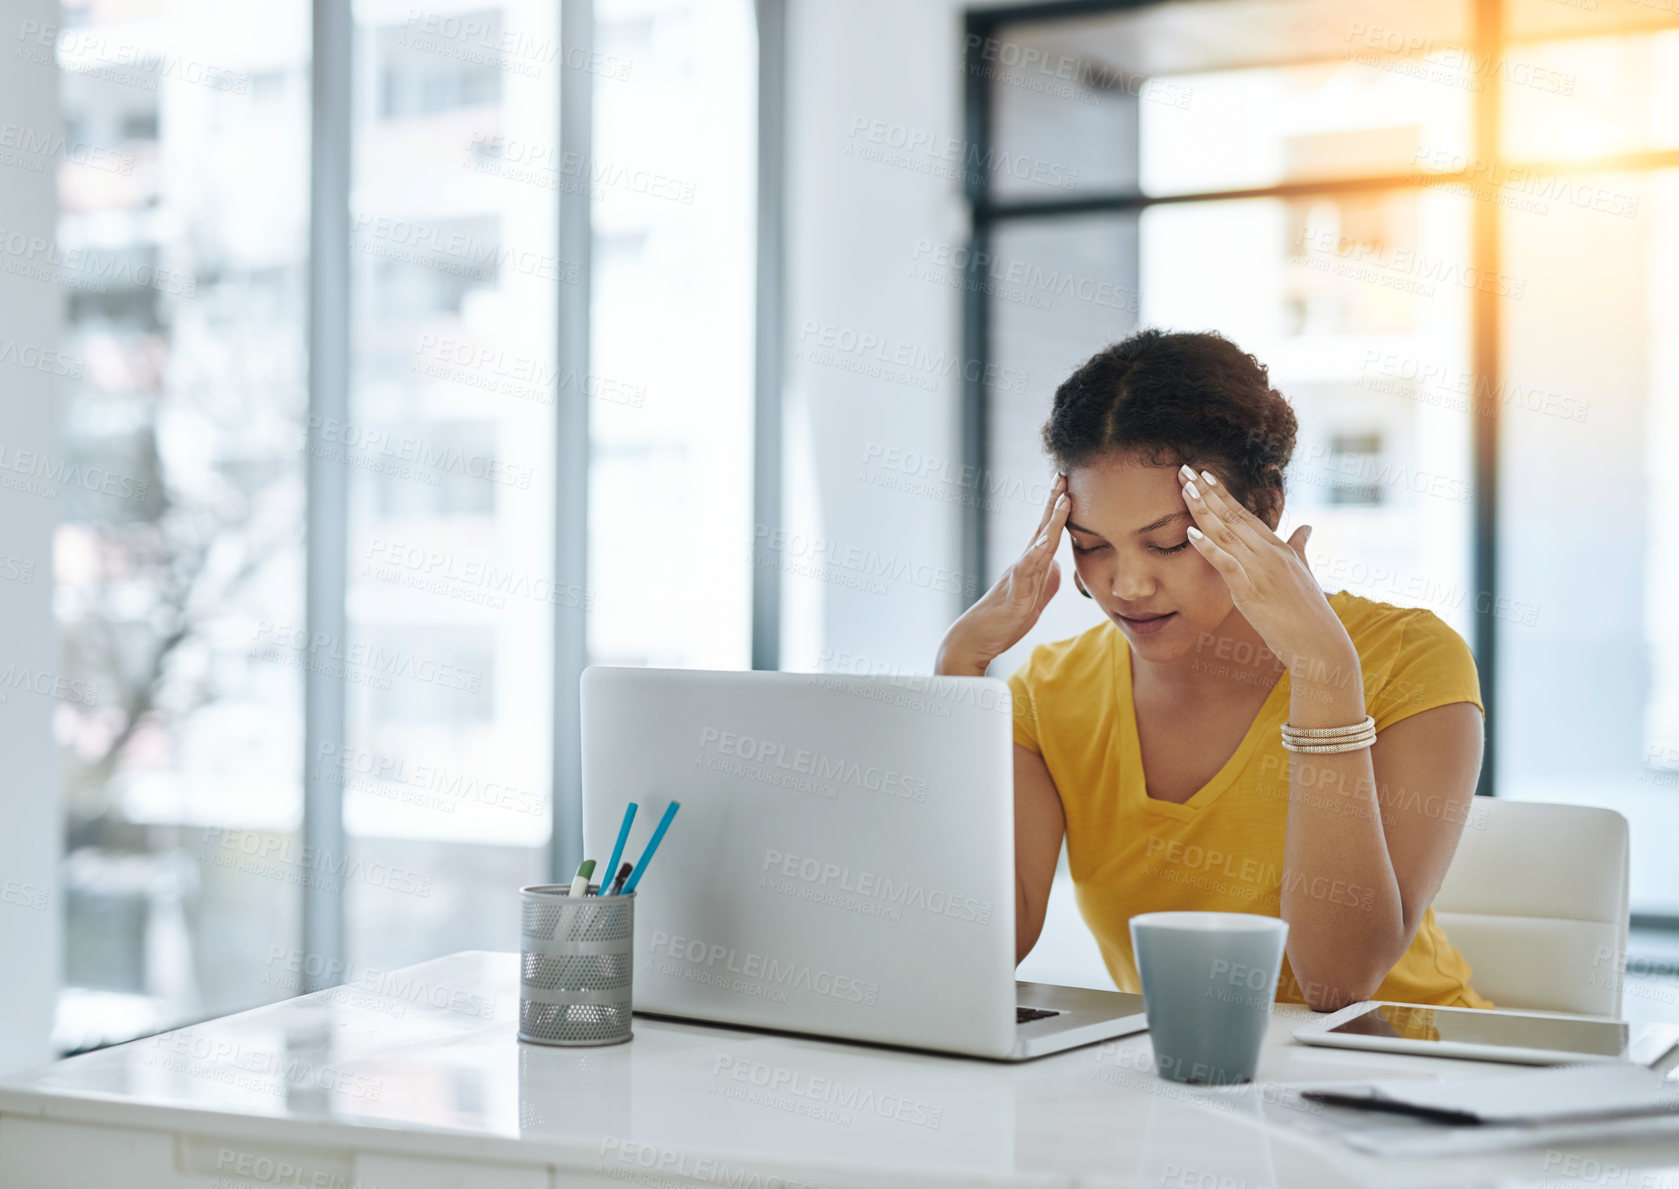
(181, 572)
(183, 182)
(1463, 298)
(1282, 204)
(1587, 545)
(449, 452)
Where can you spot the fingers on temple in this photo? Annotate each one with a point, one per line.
(1221, 518)
(1234, 510)
(1217, 556)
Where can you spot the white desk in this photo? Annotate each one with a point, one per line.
(421, 1084)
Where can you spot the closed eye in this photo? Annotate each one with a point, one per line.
(1178, 548)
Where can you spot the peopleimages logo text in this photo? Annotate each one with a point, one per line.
(796, 976)
(379, 442)
(368, 657)
(903, 893)
(845, 1096)
(816, 764)
(72, 474)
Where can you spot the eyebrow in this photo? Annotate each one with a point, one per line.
(1184, 514)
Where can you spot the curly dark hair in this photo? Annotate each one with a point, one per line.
(1177, 397)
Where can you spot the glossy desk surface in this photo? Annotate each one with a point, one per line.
(426, 1064)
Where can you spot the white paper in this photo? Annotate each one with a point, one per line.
(1381, 1133)
(1565, 1092)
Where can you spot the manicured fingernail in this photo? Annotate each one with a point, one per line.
(1195, 532)
(1193, 494)
(1186, 471)
(1211, 482)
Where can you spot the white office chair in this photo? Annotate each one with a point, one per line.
(1536, 899)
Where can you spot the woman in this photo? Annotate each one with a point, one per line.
(1163, 742)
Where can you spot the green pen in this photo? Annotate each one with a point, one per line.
(580, 884)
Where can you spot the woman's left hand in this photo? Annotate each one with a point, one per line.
(1269, 578)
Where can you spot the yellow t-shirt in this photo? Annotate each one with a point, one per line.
(1222, 850)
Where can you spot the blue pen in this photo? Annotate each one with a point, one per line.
(617, 848)
(652, 845)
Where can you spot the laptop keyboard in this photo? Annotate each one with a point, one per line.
(1025, 1015)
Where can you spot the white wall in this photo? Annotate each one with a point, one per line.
(877, 232)
(861, 73)
(31, 841)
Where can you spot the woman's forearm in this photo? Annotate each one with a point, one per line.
(945, 665)
(1339, 892)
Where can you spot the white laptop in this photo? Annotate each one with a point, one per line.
(843, 861)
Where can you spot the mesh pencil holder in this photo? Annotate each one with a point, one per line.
(575, 962)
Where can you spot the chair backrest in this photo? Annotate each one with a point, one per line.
(1536, 900)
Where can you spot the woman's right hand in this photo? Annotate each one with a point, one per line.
(1006, 612)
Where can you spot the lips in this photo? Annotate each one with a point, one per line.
(1145, 625)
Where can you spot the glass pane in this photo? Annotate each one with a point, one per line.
(1375, 113)
(1542, 18)
(1060, 290)
(1063, 123)
(670, 494)
(184, 209)
(1359, 306)
(1221, 95)
(1592, 97)
(449, 450)
(1589, 554)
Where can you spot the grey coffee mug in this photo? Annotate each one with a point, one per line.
(1208, 982)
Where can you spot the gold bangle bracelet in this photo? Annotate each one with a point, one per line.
(1369, 724)
(1362, 737)
(1328, 748)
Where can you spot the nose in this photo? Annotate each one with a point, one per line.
(1133, 584)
